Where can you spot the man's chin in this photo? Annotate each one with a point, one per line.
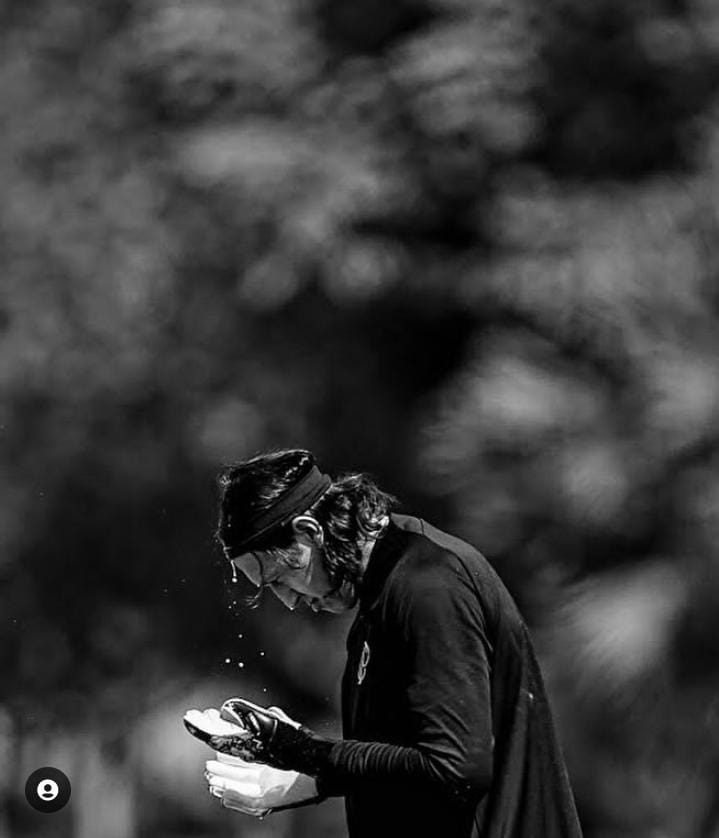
(334, 607)
(339, 604)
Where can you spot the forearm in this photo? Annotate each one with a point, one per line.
(349, 764)
(451, 769)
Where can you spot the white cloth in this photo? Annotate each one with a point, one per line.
(254, 788)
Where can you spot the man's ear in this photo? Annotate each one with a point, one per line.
(308, 527)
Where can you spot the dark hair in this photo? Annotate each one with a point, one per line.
(350, 510)
(253, 486)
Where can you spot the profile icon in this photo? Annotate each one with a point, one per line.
(47, 789)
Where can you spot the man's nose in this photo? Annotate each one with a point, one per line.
(285, 595)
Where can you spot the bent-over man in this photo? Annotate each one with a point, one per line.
(447, 730)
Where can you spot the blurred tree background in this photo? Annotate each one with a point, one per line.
(469, 247)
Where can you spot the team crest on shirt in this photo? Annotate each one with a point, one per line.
(364, 660)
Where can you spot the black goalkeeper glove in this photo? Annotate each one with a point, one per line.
(274, 738)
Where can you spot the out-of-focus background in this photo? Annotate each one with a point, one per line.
(469, 246)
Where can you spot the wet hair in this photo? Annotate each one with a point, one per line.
(350, 511)
(249, 488)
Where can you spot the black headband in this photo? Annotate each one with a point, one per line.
(297, 499)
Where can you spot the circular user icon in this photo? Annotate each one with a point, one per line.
(47, 789)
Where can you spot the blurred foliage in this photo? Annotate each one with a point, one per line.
(469, 247)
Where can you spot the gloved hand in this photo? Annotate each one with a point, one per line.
(257, 789)
(275, 738)
(209, 727)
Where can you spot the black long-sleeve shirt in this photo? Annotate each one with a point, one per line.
(446, 723)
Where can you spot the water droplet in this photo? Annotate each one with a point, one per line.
(240, 664)
(227, 660)
(262, 654)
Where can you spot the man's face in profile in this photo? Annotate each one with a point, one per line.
(300, 579)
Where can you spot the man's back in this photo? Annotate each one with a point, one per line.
(440, 662)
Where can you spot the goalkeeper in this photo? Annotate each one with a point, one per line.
(446, 725)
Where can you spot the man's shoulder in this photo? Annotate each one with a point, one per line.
(424, 535)
(434, 557)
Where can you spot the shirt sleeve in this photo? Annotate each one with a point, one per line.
(442, 635)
